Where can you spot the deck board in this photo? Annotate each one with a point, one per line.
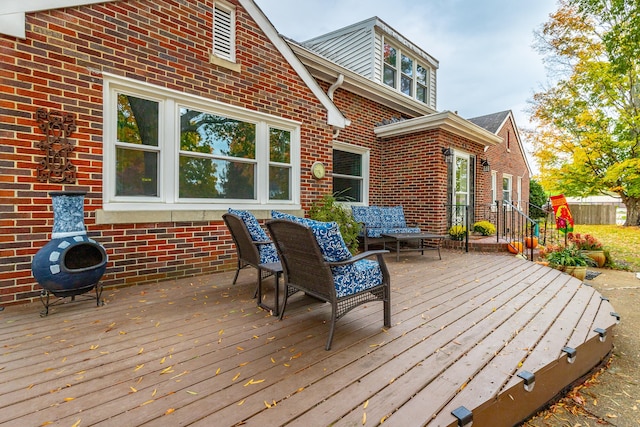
(199, 352)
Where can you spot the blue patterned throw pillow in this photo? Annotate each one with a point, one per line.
(255, 231)
(327, 235)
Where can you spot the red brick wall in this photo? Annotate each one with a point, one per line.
(407, 170)
(162, 42)
(508, 158)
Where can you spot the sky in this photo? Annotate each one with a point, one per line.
(484, 47)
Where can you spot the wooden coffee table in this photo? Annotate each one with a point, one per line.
(399, 238)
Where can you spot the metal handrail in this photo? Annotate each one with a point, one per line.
(516, 226)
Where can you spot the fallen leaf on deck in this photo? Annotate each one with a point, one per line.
(147, 402)
(77, 423)
(236, 377)
(217, 371)
(267, 404)
(68, 399)
(191, 392)
(365, 404)
(273, 360)
(155, 390)
(166, 370)
(295, 356)
(93, 347)
(169, 411)
(133, 389)
(46, 423)
(364, 418)
(138, 367)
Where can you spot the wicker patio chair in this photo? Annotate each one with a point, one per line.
(345, 284)
(253, 246)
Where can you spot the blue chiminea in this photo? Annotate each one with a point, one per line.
(71, 263)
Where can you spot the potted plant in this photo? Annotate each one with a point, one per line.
(327, 209)
(590, 246)
(571, 260)
(457, 232)
(485, 228)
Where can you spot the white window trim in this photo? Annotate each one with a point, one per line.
(398, 68)
(519, 189)
(168, 134)
(510, 178)
(494, 190)
(365, 154)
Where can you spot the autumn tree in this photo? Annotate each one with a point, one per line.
(588, 138)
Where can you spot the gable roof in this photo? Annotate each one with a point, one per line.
(491, 122)
(13, 21)
(494, 122)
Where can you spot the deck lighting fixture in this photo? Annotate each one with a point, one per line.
(485, 165)
(448, 154)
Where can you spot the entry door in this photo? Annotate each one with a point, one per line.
(462, 187)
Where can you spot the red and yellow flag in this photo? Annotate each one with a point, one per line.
(564, 220)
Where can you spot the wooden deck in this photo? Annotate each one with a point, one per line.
(199, 351)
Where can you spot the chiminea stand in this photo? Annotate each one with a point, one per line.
(45, 296)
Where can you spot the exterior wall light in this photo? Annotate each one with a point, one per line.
(448, 154)
(485, 165)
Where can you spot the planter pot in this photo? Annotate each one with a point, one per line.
(597, 256)
(577, 272)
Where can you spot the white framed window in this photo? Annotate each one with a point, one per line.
(224, 31)
(405, 73)
(507, 182)
(351, 173)
(494, 188)
(168, 150)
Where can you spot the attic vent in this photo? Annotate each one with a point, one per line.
(223, 33)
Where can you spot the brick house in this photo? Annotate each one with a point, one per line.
(173, 112)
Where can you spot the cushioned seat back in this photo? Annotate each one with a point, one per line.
(327, 234)
(247, 251)
(302, 261)
(392, 217)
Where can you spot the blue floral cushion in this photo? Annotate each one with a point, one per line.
(327, 235)
(268, 252)
(369, 215)
(255, 231)
(393, 217)
(359, 276)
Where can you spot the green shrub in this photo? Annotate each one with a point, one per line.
(484, 227)
(457, 232)
(327, 209)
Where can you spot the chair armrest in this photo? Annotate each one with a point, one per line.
(358, 257)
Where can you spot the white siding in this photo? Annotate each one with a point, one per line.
(351, 50)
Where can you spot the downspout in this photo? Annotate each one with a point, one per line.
(330, 93)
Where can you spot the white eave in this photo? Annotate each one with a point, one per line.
(326, 70)
(335, 117)
(13, 12)
(12, 23)
(445, 120)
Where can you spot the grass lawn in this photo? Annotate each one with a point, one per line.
(623, 243)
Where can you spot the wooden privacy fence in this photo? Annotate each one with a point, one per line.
(593, 213)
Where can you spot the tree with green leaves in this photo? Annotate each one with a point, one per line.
(588, 136)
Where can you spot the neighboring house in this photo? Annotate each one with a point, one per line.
(168, 113)
(510, 169)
